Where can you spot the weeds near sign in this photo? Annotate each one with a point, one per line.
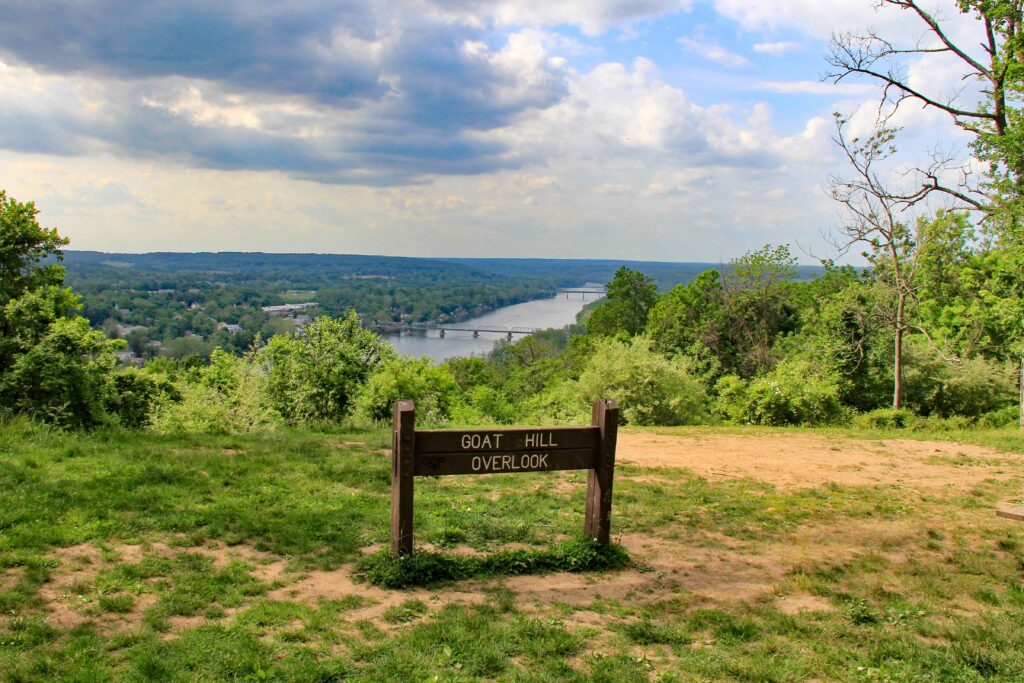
(388, 570)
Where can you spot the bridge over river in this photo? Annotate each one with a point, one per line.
(478, 336)
(398, 328)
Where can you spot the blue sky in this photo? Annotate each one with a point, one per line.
(645, 129)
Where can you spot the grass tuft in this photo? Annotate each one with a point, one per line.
(387, 570)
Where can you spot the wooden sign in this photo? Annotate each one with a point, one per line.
(501, 451)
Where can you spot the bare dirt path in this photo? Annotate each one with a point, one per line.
(792, 461)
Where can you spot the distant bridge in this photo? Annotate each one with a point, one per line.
(598, 292)
(455, 327)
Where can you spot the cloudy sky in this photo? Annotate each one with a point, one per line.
(687, 130)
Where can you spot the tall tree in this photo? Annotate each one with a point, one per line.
(24, 244)
(985, 103)
(987, 111)
(631, 295)
(875, 217)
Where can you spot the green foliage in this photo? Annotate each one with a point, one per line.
(133, 396)
(885, 418)
(24, 244)
(631, 295)
(799, 391)
(485, 404)
(431, 388)
(650, 389)
(387, 570)
(760, 305)
(970, 387)
(689, 314)
(316, 376)
(229, 396)
(65, 378)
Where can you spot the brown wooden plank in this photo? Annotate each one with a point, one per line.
(531, 439)
(403, 448)
(1016, 513)
(436, 464)
(598, 520)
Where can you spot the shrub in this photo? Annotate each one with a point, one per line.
(1001, 417)
(885, 418)
(650, 388)
(798, 391)
(430, 387)
(316, 376)
(134, 397)
(731, 398)
(562, 403)
(228, 396)
(65, 378)
(486, 405)
(933, 385)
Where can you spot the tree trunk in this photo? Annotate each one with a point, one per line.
(897, 383)
(1022, 392)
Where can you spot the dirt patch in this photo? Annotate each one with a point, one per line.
(69, 595)
(79, 565)
(793, 461)
(795, 604)
(337, 584)
(10, 577)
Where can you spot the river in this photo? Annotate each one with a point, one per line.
(558, 311)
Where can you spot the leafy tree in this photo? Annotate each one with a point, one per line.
(988, 112)
(316, 376)
(31, 292)
(65, 378)
(431, 387)
(631, 295)
(689, 314)
(758, 307)
(651, 389)
(24, 245)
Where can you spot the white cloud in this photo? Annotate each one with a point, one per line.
(777, 48)
(713, 51)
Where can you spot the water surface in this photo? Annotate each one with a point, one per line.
(556, 312)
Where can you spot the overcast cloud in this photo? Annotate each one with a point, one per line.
(654, 129)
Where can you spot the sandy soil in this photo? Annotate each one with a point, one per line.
(791, 461)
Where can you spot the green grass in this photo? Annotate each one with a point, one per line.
(933, 591)
(423, 568)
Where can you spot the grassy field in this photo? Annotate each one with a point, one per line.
(140, 557)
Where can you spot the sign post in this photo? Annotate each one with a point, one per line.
(439, 452)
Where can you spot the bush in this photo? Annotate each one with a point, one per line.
(798, 391)
(228, 396)
(431, 388)
(561, 403)
(134, 397)
(485, 405)
(64, 379)
(933, 385)
(885, 418)
(387, 570)
(315, 377)
(649, 388)
(1002, 417)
